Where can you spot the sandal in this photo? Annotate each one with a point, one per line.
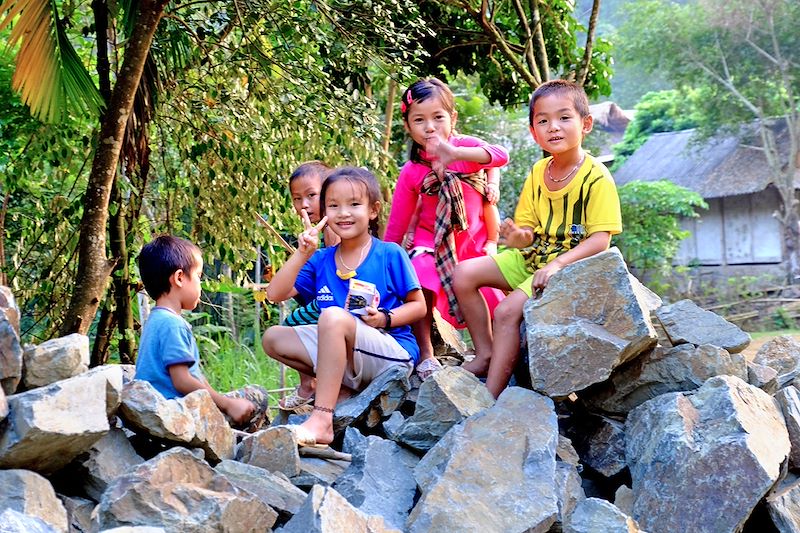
(427, 368)
(296, 403)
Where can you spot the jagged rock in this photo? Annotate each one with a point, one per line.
(3, 405)
(660, 371)
(128, 373)
(31, 494)
(326, 511)
(566, 452)
(54, 360)
(623, 499)
(193, 420)
(789, 401)
(134, 529)
(685, 322)
(392, 425)
(685, 450)
(10, 356)
(593, 514)
(8, 305)
(48, 427)
(274, 490)
(592, 310)
(467, 481)
(763, 377)
(568, 490)
(106, 460)
(12, 521)
(445, 399)
(373, 404)
(181, 493)
(600, 443)
(273, 449)
(79, 514)
(783, 503)
(380, 478)
(783, 354)
(317, 471)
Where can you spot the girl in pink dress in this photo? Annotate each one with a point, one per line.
(445, 170)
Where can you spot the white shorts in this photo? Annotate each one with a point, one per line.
(374, 352)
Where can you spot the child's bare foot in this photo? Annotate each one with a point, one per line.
(478, 366)
(320, 426)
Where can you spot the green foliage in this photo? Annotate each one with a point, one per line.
(657, 112)
(651, 213)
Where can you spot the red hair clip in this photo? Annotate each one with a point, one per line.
(403, 105)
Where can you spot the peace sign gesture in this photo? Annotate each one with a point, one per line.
(308, 240)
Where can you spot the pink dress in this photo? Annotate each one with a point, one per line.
(469, 243)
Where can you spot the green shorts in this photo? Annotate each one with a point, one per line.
(515, 271)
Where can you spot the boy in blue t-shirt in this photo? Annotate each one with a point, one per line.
(171, 269)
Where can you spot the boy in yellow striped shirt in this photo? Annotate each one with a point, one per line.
(568, 210)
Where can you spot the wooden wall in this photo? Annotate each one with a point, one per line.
(736, 230)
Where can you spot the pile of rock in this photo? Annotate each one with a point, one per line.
(641, 417)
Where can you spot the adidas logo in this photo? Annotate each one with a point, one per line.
(324, 294)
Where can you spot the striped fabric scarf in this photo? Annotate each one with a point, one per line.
(451, 215)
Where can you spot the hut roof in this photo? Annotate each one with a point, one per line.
(723, 165)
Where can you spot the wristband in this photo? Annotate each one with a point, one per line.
(388, 315)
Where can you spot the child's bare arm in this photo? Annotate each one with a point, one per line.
(184, 382)
(594, 244)
(408, 238)
(282, 285)
(493, 185)
(412, 310)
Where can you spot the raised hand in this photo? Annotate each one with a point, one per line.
(513, 236)
(442, 153)
(308, 240)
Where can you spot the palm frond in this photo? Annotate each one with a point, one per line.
(49, 74)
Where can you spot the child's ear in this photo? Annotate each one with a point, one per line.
(533, 134)
(453, 119)
(374, 210)
(588, 124)
(177, 278)
(405, 126)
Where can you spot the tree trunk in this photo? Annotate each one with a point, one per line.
(583, 70)
(94, 267)
(102, 339)
(121, 281)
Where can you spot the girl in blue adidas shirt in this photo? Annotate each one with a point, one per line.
(357, 348)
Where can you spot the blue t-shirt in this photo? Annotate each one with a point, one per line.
(166, 340)
(387, 266)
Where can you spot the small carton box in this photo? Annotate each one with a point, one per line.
(361, 295)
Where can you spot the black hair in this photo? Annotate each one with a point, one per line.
(356, 176)
(162, 257)
(419, 91)
(571, 89)
(310, 168)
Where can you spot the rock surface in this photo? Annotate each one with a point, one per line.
(31, 494)
(593, 515)
(783, 354)
(54, 360)
(685, 322)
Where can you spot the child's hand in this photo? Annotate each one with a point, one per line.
(490, 248)
(442, 152)
(308, 241)
(374, 318)
(239, 409)
(408, 240)
(513, 236)
(492, 193)
(544, 274)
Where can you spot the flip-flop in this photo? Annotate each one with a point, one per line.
(304, 438)
(296, 403)
(427, 368)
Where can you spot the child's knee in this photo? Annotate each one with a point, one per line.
(509, 312)
(336, 318)
(269, 340)
(463, 277)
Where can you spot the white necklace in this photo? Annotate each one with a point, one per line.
(571, 172)
(352, 271)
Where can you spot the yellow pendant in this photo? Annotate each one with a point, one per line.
(345, 275)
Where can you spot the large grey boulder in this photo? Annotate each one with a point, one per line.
(79, 514)
(31, 494)
(662, 370)
(10, 355)
(762, 376)
(445, 399)
(783, 503)
(106, 460)
(593, 515)
(789, 401)
(193, 420)
(600, 443)
(593, 311)
(380, 479)
(702, 460)
(12, 521)
(319, 471)
(181, 493)
(568, 490)
(685, 322)
(273, 449)
(783, 354)
(48, 427)
(326, 511)
(495, 471)
(274, 490)
(379, 400)
(54, 360)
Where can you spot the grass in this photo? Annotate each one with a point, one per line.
(775, 333)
